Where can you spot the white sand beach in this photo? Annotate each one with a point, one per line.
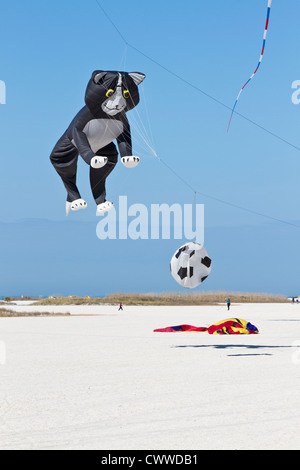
(101, 379)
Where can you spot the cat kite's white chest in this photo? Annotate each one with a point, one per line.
(101, 132)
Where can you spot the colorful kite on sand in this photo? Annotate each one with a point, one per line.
(259, 62)
(232, 326)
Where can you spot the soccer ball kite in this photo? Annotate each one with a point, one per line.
(190, 265)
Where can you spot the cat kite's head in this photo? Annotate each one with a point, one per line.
(113, 92)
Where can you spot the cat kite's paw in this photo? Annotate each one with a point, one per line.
(76, 205)
(104, 207)
(98, 162)
(130, 162)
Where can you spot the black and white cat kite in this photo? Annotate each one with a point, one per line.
(109, 95)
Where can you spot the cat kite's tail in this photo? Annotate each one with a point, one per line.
(259, 62)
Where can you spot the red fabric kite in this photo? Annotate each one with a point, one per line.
(232, 326)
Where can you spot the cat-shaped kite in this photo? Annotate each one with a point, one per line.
(109, 95)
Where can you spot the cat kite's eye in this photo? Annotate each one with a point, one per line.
(109, 92)
(126, 94)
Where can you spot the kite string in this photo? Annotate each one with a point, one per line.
(148, 118)
(143, 132)
(195, 191)
(195, 87)
(140, 129)
(123, 58)
(222, 201)
(259, 62)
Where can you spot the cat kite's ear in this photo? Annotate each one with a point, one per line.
(137, 77)
(97, 75)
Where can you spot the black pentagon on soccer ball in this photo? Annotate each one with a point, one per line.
(180, 251)
(182, 273)
(206, 261)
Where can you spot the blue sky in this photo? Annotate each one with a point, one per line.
(49, 52)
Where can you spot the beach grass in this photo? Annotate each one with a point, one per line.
(6, 312)
(171, 299)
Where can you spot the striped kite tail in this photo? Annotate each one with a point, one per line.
(259, 62)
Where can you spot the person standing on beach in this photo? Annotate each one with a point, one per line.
(121, 307)
(228, 303)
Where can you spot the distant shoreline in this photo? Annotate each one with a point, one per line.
(171, 299)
